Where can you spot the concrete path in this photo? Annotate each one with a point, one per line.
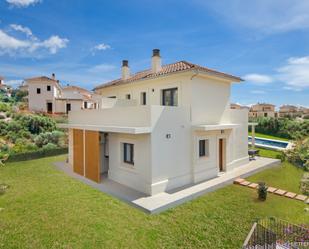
(163, 201)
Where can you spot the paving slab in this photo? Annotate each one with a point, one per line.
(290, 195)
(280, 192)
(163, 201)
(253, 185)
(239, 180)
(301, 197)
(245, 183)
(271, 189)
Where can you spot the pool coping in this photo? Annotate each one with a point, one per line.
(289, 144)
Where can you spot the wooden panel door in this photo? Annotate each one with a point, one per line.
(78, 151)
(221, 154)
(92, 155)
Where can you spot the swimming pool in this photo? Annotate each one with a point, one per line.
(269, 143)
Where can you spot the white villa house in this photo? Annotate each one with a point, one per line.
(160, 129)
(47, 95)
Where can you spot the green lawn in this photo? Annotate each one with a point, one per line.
(268, 136)
(44, 208)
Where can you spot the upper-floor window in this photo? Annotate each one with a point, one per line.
(203, 147)
(48, 88)
(38, 90)
(128, 96)
(128, 153)
(112, 97)
(170, 97)
(143, 98)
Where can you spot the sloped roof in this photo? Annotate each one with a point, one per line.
(77, 88)
(179, 66)
(41, 78)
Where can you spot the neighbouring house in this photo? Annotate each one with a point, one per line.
(5, 88)
(239, 107)
(160, 129)
(47, 95)
(289, 111)
(262, 110)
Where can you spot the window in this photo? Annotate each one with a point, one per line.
(128, 153)
(128, 96)
(203, 147)
(85, 105)
(48, 88)
(112, 97)
(143, 98)
(38, 90)
(170, 97)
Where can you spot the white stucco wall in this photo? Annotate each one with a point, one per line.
(136, 176)
(38, 102)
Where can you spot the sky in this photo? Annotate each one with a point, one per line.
(83, 42)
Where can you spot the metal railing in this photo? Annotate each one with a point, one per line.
(274, 233)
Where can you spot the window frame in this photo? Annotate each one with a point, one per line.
(171, 90)
(124, 155)
(203, 147)
(143, 98)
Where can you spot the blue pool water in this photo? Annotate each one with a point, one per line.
(269, 142)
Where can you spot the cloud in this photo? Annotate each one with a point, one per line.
(258, 79)
(22, 3)
(29, 46)
(21, 29)
(295, 73)
(102, 46)
(14, 83)
(267, 16)
(102, 68)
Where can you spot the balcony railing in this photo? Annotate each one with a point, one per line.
(274, 233)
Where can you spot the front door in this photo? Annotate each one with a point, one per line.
(221, 156)
(50, 107)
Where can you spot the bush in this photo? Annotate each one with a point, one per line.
(262, 191)
(304, 184)
(37, 154)
(48, 137)
(299, 154)
(50, 146)
(2, 116)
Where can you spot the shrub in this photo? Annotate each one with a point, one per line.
(37, 154)
(53, 137)
(304, 184)
(2, 116)
(262, 191)
(50, 146)
(299, 154)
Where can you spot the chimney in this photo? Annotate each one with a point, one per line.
(53, 76)
(125, 70)
(156, 61)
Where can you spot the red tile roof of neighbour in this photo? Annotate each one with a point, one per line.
(179, 66)
(77, 88)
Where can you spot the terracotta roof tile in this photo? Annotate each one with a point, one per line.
(166, 69)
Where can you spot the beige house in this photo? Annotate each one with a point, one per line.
(3, 86)
(289, 111)
(262, 110)
(160, 129)
(239, 107)
(45, 94)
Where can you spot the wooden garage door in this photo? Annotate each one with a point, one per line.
(92, 155)
(78, 151)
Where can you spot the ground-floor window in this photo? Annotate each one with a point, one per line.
(204, 147)
(128, 153)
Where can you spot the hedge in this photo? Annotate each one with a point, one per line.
(36, 154)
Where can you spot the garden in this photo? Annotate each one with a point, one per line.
(25, 135)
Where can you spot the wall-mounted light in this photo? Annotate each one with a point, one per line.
(152, 90)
